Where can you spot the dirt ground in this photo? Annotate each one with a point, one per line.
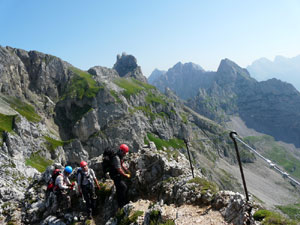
(186, 214)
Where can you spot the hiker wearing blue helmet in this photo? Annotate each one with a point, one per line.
(62, 185)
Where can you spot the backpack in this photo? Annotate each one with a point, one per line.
(79, 171)
(108, 155)
(51, 182)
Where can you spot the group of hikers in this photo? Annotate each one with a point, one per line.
(86, 180)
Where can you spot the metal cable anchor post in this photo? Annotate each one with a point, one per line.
(232, 136)
(187, 148)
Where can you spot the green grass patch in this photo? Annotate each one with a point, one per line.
(184, 117)
(115, 95)
(24, 109)
(205, 185)
(293, 211)
(132, 86)
(163, 115)
(174, 154)
(38, 162)
(160, 143)
(103, 193)
(124, 220)
(52, 144)
(276, 153)
(155, 218)
(247, 156)
(168, 222)
(151, 99)
(146, 86)
(6, 123)
(81, 85)
(146, 141)
(271, 218)
(147, 111)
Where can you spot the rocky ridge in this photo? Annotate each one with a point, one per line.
(67, 115)
(171, 190)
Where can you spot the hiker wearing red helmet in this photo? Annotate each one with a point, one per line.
(117, 171)
(86, 179)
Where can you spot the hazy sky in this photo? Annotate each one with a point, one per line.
(159, 33)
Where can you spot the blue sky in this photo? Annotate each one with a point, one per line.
(159, 33)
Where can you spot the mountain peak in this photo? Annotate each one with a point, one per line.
(225, 63)
(230, 68)
(187, 67)
(178, 65)
(155, 75)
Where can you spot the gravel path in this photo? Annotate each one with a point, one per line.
(186, 214)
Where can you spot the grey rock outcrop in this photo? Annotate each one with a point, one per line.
(32, 75)
(127, 66)
(158, 176)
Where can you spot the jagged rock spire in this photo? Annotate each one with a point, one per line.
(126, 66)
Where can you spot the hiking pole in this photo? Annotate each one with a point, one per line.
(187, 147)
(232, 135)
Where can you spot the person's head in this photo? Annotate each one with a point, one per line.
(83, 165)
(68, 170)
(123, 150)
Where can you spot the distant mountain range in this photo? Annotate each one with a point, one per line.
(271, 107)
(285, 69)
(184, 79)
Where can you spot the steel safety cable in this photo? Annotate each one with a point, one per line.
(272, 164)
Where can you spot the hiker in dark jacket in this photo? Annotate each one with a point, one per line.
(86, 179)
(118, 171)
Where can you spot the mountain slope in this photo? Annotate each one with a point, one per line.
(271, 107)
(56, 113)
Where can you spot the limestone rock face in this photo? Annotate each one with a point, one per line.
(103, 73)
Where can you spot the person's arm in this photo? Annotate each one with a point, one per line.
(124, 167)
(79, 183)
(67, 181)
(60, 182)
(121, 171)
(95, 179)
(118, 166)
